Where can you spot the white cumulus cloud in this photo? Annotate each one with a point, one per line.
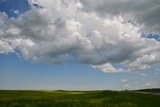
(60, 30)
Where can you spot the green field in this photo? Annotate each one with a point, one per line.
(157, 90)
(13, 98)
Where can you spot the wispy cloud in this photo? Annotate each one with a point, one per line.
(151, 84)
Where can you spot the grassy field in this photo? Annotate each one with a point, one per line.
(13, 98)
(157, 90)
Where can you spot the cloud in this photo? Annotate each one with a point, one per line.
(60, 30)
(145, 13)
(16, 12)
(108, 68)
(126, 84)
(151, 84)
(5, 47)
(124, 80)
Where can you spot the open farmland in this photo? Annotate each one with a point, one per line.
(40, 98)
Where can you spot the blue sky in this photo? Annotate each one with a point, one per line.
(17, 72)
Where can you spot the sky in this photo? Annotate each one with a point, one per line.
(79, 44)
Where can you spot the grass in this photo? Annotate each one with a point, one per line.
(157, 90)
(26, 98)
